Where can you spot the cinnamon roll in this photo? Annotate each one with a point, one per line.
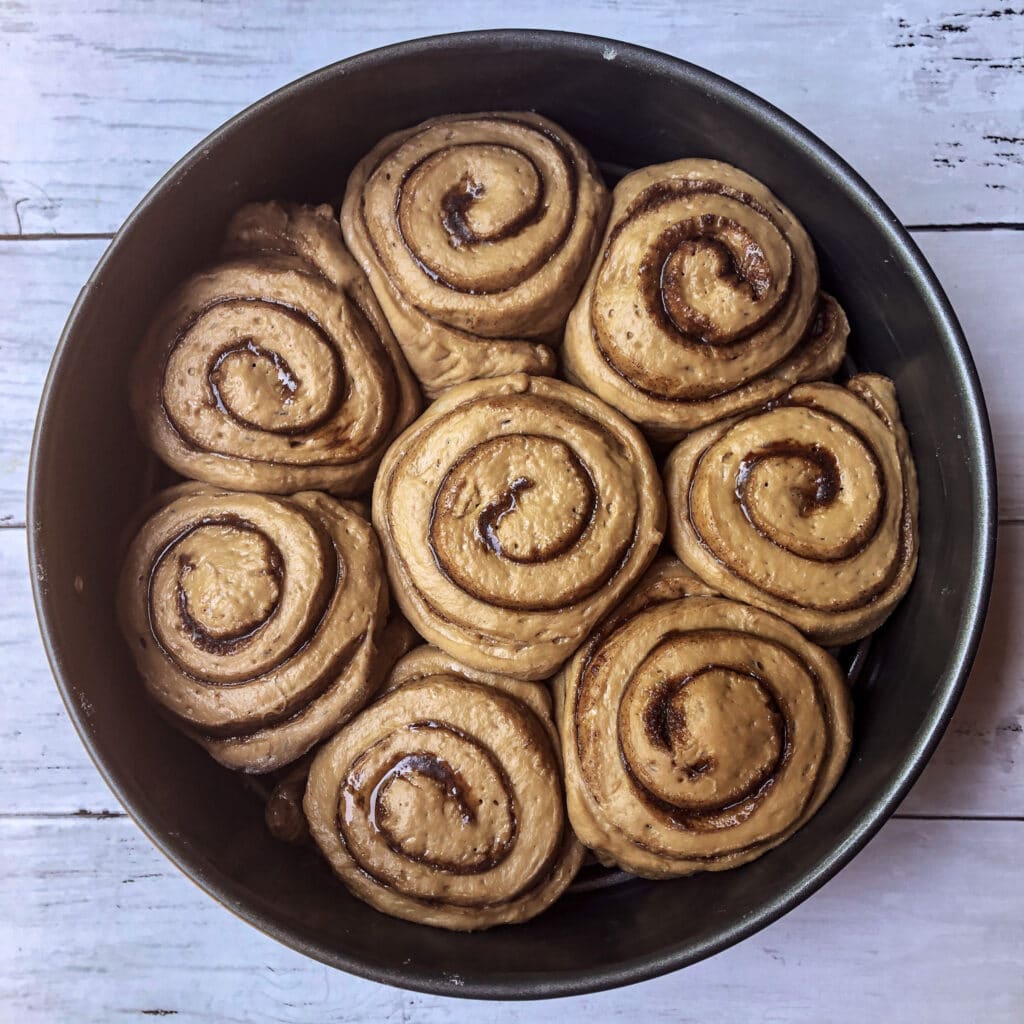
(442, 803)
(807, 509)
(274, 370)
(703, 303)
(697, 732)
(476, 232)
(513, 514)
(255, 621)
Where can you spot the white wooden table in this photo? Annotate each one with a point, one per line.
(96, 101)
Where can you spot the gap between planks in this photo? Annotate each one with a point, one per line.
(100, 236)
(975, 226)
(921, 926)
(929, 112)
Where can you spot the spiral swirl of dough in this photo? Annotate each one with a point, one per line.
(513, 514)
(476, 232)
(274, 370)
(807, 509)
(254, 621)
(697, 732)
(442, 803)
(704, 302)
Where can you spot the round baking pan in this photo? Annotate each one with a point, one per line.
(89, 475)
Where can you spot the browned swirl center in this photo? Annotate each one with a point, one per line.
(821, 500)
(815, 481)
(267, 367)
(689, 719)
(524, 499)
(709, 279)
(811, 481)
(472, 214)
(243, 390)
(705, 741)
(446, 804)
(421, 785)
(231, 598)
(701, 289)
(223, 575)
(478, 217)
(229, 583)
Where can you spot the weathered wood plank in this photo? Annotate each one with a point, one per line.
(981, 272)
(925, 99)
(39, 282)
(99, 927)
(45, 767)
(976, 770)
(978, 767)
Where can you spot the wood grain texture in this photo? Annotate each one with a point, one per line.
(978, 767)
(99, 928)
(40, 280)
(925, 99)
(981, 272)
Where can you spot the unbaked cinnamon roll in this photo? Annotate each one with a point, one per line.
(274, 370)
(476, 232)
(807, 509)
(513, 514)
(442, 803)
(697, 732)
(704, 302)
(255, 621)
